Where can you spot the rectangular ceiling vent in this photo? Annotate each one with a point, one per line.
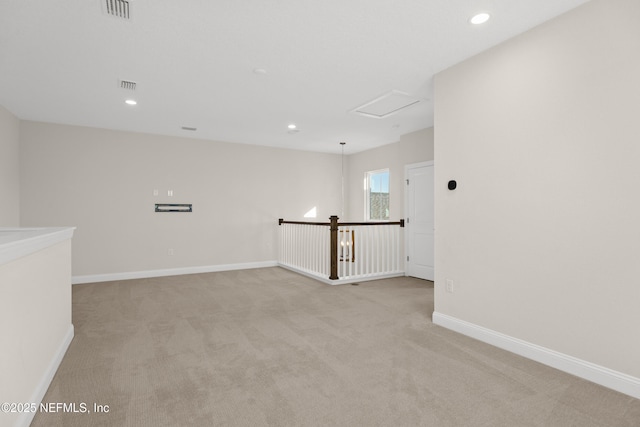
(386, 105)
(117, 8)
(127, 85)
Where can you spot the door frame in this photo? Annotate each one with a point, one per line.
(406, 204)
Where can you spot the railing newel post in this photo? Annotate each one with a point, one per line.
(334, 247)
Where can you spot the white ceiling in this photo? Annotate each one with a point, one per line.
(193, 61)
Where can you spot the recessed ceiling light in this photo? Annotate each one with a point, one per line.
(480, 18)
(292, 126)
(260, 71)
(130, 102)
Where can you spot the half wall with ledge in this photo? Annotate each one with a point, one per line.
(35, 312)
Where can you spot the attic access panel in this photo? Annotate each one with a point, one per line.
(386, 105)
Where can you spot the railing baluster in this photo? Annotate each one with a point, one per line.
(305, 252)
(319, 239)
(294, 248)
(299, 258)
(347, 261)
(356, 237)
(301, 251)
(365, 255)
(280, 245)
(352, 254)
(298, 245)
(387, 249)
(295, 253)
(324, 250)
(370, 248)
(374, 250)
(392, 255)
(377, 246)
(285, 239)
(359, 246)
(314, 249)
(399, 247)
(383, 249)
(350, 260)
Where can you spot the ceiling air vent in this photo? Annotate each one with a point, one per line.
(117, 8)
(127, 84)
(386, 105)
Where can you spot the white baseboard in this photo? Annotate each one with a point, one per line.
(360, 279)
(109, 277)
(26, 418)
(344, 281)
(589, 371)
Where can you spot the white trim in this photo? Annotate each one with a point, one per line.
(25, 418)
(407, 225)
(346, 280)
(109, 277)
(589, 371)
(418, 165)
(359, 279)
(19, 242)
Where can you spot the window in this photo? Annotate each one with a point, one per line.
(376, 190)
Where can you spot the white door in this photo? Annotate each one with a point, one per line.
(419, 225)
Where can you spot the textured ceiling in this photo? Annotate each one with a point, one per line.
(193, 61)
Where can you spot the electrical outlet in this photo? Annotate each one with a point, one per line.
(170, 193)
(155, 192)
(449, 285)
(170, 252)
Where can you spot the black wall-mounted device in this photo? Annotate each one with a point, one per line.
(452, 185)
(174, 207)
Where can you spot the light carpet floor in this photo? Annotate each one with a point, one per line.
(268, 347)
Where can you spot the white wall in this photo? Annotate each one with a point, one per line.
(102, 182)
(542, 236)
(413, 147)
(9, 173)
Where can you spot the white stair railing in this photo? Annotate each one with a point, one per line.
(362, 251)
(305, 247)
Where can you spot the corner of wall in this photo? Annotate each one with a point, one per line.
(9, 169)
